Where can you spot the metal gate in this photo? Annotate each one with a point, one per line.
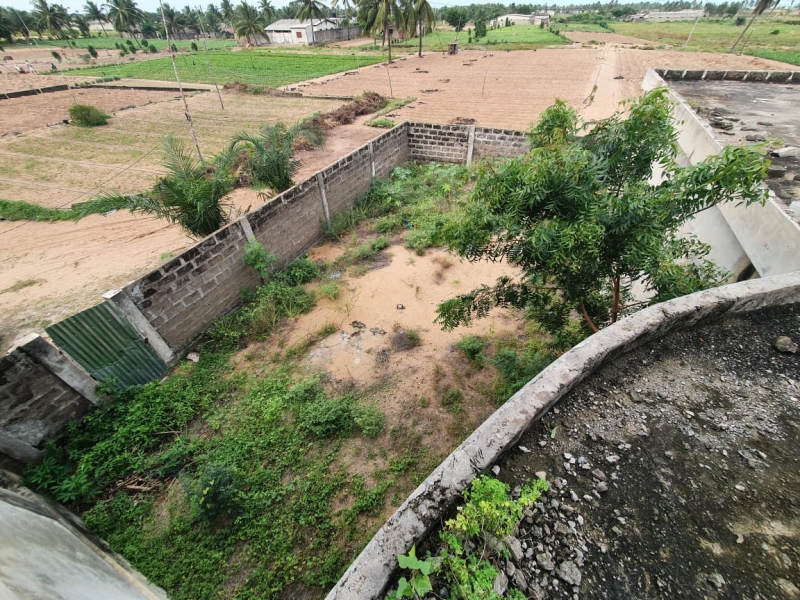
(104, 343)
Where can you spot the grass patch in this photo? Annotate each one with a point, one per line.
(381, 123)
(108, 43)
(256, 67)
(718, 35)
(21, 285)
(18, 210)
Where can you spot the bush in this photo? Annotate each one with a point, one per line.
(91, 50)
(327, 418)
(381, 123)
(370, 419)
(194, 47)
(55, 55)
(152, 49)
(87, 116)
(299, 271)
(215, 491)
(472, 346)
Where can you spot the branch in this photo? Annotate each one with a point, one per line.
(586, 316)
(615, 304)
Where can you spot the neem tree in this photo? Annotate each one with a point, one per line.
(581, 218)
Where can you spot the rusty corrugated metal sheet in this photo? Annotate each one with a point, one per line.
(102, 341)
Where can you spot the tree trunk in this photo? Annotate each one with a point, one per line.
(741, 35)
(588, 319)
(103, 28)
(615, 301)
(312, 30)
(420, 35)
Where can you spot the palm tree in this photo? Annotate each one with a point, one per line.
(267, 158)
(213, 18)
(124, 15)
(248, 22)
(95, 13)
(82, 24)
(308, 10)
(346, 3)
(190, 194)
(380, 13)
(7, 27)
(759, 9)
(53, 19)
(426, 19)
(267, 11)
(228, 12)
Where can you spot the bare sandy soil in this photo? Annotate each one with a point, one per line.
(50, 270)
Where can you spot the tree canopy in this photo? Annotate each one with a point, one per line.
(585, 223)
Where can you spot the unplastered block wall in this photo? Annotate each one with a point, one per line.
(462, 143)
(184, 296)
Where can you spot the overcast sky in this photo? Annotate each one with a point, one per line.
(152, 5)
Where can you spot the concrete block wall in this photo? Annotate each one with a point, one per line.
(40, 391)
(181, 298)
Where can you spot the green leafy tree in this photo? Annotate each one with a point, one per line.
(426, 19)
(190, 194)
(213, 18)
(267, 11)
(248, 23)
(456, 17)
(267, 159)
(308, 10)
(582, 219)
(480, 29)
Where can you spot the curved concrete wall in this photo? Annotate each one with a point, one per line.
(370, 573)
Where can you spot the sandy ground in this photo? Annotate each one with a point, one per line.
(48, 271)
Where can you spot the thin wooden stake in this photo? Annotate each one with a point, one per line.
(208, 62)
(180, 87)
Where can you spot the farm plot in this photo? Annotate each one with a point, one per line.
(61, 165)
(267, 68)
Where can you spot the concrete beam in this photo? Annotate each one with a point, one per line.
(47, 355)
(123, 302)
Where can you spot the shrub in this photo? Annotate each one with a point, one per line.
(299, 271)
(370, 419)
(327, 418)
(55, 55)
(215, 491)
(381, 123)
(473, 346)
(91, 50)
(257, 257)
(331, 290)
(194, 47)
(87, 116)
(152, 49)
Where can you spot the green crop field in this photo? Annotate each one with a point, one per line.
(588, 27)
(518, 37)
(771, 37)
(106, 43)
(257, 67)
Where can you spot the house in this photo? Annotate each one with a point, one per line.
(294, 31)
(515, 19)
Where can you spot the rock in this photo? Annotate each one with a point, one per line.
(193, 357)
(541, 474)
(764, 123)
(561, 528)
(786, 152)
(574, 496)
(776, 171)
(520, 581)
(599, 475)
(612, 458)
(569, 572)
(545, 561)
(511, 568)
(716, 579)
(358, 325)
(756, 137)
(524, 450)
(496, 470)
(514, 547)
(500, 584)
(601, 487)
(636, 396)
(784, 344)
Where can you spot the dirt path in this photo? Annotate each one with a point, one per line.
(48, 271)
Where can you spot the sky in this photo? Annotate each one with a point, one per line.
(152, 5)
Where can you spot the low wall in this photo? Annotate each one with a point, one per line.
(762, 235)
(46, 553)
(370, 574)
(462, 143)
(710, 75)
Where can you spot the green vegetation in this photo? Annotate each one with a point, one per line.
(87, 116)
(585, 224)
(255, 67)
(719, 35)
(18, 210)
(391, 105)
(469, 547)
(221, 482)
(521, 37)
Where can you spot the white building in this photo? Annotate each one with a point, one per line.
(294, 31)
(518, 19)
(679, 15)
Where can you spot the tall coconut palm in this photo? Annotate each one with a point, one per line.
(426, 19)
(95, 13)
(53, 19)
(308, 10)
(267, 11)
(124, 15)
(213, 18)
(346, 4)
(228, 12)
(759, 9)
(190, 194)
(248, 22)
(7, 28)
(377, 15)
(81, 23)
